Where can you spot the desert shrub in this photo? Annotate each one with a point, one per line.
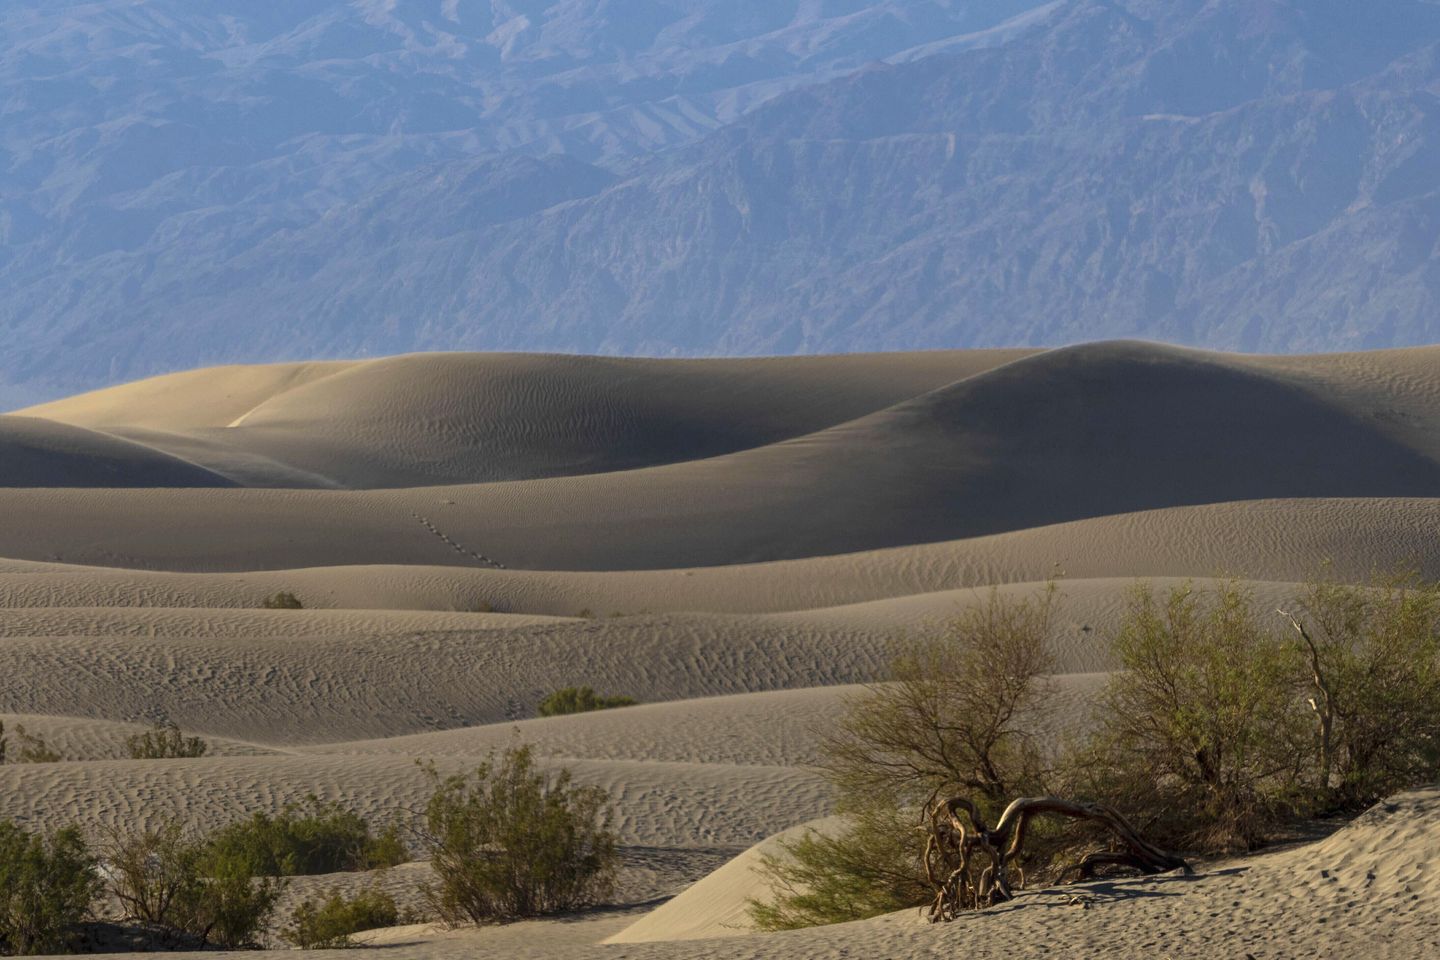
(33, 748)
(308, 838)
(327, 924)
(1371, 666)
(4, 742)
(514, 842)
(46, 887)
(182, 886)
(1201, 730)
(163, 742)
(284, 600)
(236, 905)
(957, 713)
(156, 875)
(579, 700)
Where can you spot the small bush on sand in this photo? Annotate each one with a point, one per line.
(579, 700)
(284, 600)
(308, 838)
(511, 842)
(327, 924)
(164, 742)
(46, 887)
(184, 888)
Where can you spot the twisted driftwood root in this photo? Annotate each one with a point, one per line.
(967, 863)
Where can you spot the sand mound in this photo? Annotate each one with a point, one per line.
(40, 453)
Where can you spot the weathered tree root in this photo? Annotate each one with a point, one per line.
(967, 863)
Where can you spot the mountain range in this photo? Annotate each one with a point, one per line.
(186, 183)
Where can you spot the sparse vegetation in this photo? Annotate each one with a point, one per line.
(512, 842)
(579, 700)
(46, 887)
(32, 748)
(327, 924)
(164, 741)
(284, 600)
(1225, 724)
(308, 838)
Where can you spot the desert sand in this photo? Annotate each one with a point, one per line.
(737, 544)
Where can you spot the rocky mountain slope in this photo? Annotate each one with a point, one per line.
(338, 179)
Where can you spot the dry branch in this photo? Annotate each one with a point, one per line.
(955, 846)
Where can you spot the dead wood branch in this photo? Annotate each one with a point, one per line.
(968, 863)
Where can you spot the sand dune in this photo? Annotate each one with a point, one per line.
(659, 804)
(738, 544)
(42, 453)
(452, 418)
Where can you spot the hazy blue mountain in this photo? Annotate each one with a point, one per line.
(186, 182)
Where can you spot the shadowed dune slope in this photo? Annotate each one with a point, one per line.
(41, 453)
(460, 418)
(1063, 435)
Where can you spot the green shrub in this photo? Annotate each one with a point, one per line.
(1371, 668)
(284, 600)
(579, 700)
(308, 838)
(871, 866)
(1202, 725)
(185, 887)
(46, 887)
(164, 742)
(512, 842)
(327, 925)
